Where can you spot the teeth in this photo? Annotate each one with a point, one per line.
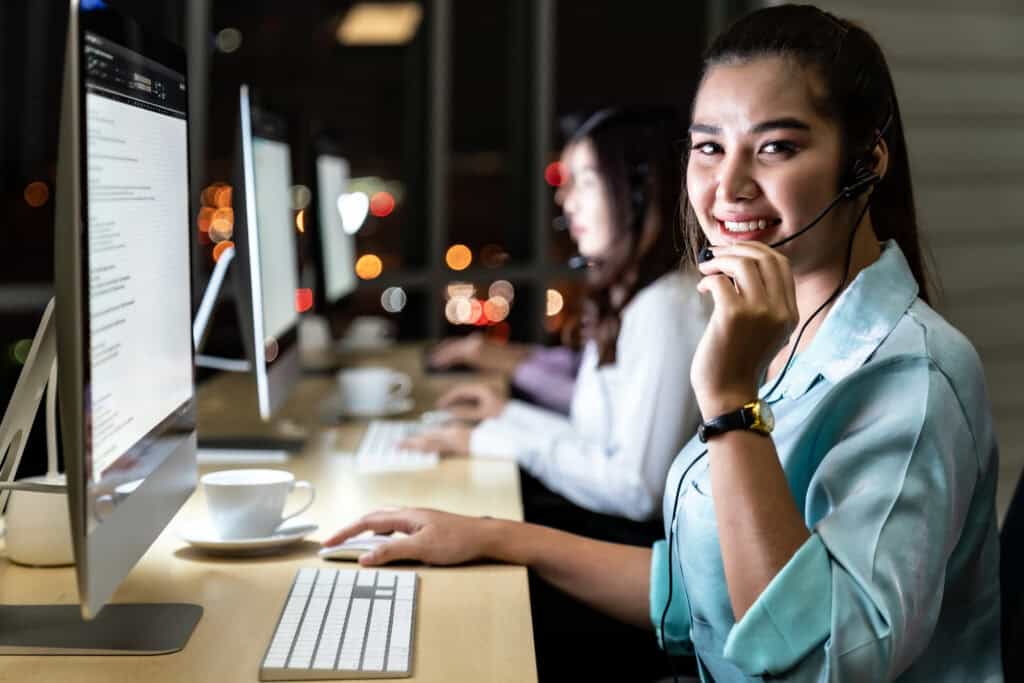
(746, 226)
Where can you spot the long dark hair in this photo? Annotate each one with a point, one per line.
(638, 162)
(858, 94)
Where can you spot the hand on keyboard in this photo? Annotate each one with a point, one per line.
(473, 401)
(434, 537)
(452, 439)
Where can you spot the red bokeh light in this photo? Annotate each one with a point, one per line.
(554, 174)
(303, 299)
(382, 204)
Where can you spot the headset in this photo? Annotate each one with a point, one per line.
(860, 178)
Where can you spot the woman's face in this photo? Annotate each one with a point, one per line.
(764, 162)
(585, 201)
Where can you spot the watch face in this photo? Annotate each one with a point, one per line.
(766, 416)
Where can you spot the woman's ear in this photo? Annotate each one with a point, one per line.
(880, 157)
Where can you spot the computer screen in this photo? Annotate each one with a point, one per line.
(267, 271)
(337, 248)
(278, 257)
(123, 297)
(138, 250)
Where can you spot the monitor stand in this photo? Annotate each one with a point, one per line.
(127, 629)
(120, 629)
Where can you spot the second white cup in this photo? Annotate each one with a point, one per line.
(372, 390)
(250, 503)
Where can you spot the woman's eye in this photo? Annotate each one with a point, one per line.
(706, 148)
(778, 147)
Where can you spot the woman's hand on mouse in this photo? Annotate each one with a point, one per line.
(452, 439)
(433, 537)
(472, 401)
(755, 312)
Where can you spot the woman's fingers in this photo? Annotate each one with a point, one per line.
(401, 548)
(380, 522)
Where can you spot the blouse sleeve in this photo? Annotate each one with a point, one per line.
(548, 377)
(861, 598)
(653, 412)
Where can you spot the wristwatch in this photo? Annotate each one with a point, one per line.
(755, 416)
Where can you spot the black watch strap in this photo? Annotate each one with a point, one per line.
(737, 419)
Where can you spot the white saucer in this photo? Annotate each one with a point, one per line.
(201, 535)
(336, 407)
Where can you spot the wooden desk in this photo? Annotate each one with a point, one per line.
(473, 622)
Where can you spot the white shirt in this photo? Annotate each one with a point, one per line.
(628, 419)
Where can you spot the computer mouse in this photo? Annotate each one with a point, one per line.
(353, 547)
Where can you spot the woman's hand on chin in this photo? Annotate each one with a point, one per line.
(755, 312)
(431, 536)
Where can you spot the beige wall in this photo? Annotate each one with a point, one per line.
(959, 73)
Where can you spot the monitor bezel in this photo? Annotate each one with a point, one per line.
(276, 378)
(322, 303)
(119, 536)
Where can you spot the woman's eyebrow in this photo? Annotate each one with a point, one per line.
(785, 123)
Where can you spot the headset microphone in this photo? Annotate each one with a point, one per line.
(579, 262)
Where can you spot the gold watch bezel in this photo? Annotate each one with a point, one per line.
(764, 419)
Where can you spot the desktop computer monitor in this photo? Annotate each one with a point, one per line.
(334, 248)
(122, 283)
(266, 274)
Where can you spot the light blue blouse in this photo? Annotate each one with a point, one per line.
(884, 431)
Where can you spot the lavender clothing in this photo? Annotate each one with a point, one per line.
(548, 377)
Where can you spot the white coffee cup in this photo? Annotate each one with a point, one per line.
(370, 329)
(250, 503)
(372, 390)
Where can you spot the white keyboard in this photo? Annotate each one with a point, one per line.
(344, 623)
(379, 451)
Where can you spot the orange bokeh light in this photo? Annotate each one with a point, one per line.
(222, 197)
(496, 309)
(204, 218)
(458, 257)
(36, 194)
(369, 266)
(300, 220)
(221, 248)
(382, 204)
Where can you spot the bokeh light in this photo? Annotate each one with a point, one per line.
(301, 195)
(271, 349)
(222, 224)
(37, 194)
(221, 248)
(555, 302)
(20, 349)
(369, 266)
(222, 196)
(229, 40)
(502, 288)
(554, 174)
(458, 257)
(204, 218)
(463, 289)
(303, 299)
(496, 309)
(382, 204)
(393, 299)
(300, 220)
(476, 312)
(459, 310)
